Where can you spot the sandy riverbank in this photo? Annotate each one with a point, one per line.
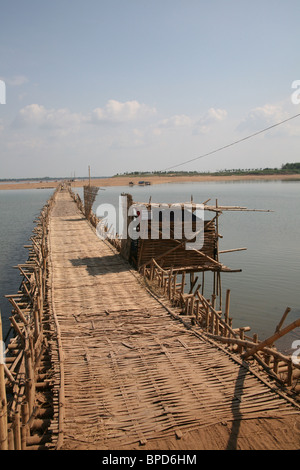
(124, 180)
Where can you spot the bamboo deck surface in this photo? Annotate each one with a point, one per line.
(136, 378)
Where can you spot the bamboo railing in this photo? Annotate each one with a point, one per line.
(217, 325)
(27, 405)
(86, 210)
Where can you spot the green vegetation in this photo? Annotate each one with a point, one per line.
(287, 168)
(293, 167)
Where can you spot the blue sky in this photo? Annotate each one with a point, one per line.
(126, 85)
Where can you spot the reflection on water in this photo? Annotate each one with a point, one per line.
(269, 281)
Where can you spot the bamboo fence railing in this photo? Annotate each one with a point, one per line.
(27, 395)
(217, 325)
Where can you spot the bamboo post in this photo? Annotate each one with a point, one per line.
(17, 329)
(287, 311)
(217, 326)
(275, 365)
(182, 282)
(214, 283)
(212, 322)
(191, 281)
(272, 338)
(25, 414)
(290, 374)
(10, 433)
(23, 437)
(227, 306)
(242, 337)
(152, 270)
(174, 285)
(170, 283)
(19, 311)
(17, 431)
(192, 303)
(197, 309)
(36, 322)
(220, 290)
(207, 317)
(30, 385)
(3, 399)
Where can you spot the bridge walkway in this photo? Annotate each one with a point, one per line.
(135, 377)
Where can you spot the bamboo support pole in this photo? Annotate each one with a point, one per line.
(272, 338)
(19, 311)
(23, 437)
(183, 281)
(10, 432)
(290, 374)
(232, 250)
(17, 430)
(287, 311)
(17, 329)
(3, 398)
(30, 382)
(227, 306)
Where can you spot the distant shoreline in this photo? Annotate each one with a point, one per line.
(125, 180)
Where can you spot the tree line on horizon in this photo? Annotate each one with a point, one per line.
(286, 168)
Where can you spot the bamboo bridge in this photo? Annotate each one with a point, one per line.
(104, 356)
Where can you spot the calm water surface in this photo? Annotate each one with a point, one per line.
(270, 277)
(18, 210)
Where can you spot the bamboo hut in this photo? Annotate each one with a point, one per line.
(162, 235)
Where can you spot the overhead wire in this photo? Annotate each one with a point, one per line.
(233, 143)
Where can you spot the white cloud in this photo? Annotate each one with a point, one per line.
(214, 115)
(178, 120)
(263, 116)
(211, 117)
(117, 112)
(189, 125)
(33, 114)
(63, 121)
(16, 80)
(36, 115)
(195, 124)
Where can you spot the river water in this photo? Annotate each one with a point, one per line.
(270, 277)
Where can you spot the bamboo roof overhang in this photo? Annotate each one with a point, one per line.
(193, 205)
